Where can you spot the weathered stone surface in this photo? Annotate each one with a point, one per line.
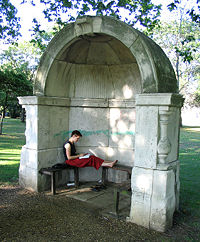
(160, 99)
(146, 137)
(122, 128)
(177, 184)
(29, 158)
(93, 123)
(155, 177)
(173, 134)
(153, 198)
(141, 184)
(163, 200)
(28, 178)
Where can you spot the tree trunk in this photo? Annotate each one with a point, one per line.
(23, 115)
(5, 106)
(1, 124)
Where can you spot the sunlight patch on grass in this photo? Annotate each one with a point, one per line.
(10, 151)
(9, 163)
(193, 129)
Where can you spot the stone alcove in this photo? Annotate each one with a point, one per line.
(117, 86)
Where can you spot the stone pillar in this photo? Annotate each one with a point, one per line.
(47, 118)
(155, 176)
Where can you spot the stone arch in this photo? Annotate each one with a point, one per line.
(157, 75)
(88, 79)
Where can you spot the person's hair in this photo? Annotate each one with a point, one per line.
(76, 132)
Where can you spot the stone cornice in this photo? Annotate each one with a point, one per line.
(77, 102)
(159, 99)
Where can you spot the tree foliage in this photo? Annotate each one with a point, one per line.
(13, 84)
(61, 12)
(22, 57)
(143, 11)
(180, 41)
(18, 64)
(9, 22)
(194, 14)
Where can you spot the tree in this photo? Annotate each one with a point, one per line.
(23, 56)
(180, 41)
(61, 12)
(192, 12)
(18, 64)
(143, 13)
(12, 84)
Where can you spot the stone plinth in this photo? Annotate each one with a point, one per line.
(155, 176)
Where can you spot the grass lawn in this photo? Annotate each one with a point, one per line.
(13, 139)
(189, 156)
(11, 142)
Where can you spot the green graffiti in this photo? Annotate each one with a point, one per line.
(106, 132)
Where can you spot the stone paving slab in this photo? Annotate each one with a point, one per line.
(103, 199)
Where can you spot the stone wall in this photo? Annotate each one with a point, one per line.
(108, 128)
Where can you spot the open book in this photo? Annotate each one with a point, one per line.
(85, 156)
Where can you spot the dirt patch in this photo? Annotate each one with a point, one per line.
(29, 216)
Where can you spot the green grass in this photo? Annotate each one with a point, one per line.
(189, 156)
(11, 142)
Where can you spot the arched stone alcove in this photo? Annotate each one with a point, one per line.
(117, 86)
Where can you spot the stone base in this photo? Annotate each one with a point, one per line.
(153, 198)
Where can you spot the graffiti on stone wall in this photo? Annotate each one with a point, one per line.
(86, 133)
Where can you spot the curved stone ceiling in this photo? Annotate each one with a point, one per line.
(106, 42)
(98, 49)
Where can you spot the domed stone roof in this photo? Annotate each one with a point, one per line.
(100, 57)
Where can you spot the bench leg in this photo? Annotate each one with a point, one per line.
(76, 176)
(53, 183)
(116, 201)
(104, 175)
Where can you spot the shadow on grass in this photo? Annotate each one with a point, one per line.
(9, 173)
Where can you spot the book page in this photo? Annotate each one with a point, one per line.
(85, 156)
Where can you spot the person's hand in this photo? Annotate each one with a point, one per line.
(81, 155)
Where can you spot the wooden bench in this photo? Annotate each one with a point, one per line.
(124, 187)
(52, 172)
(127, 169)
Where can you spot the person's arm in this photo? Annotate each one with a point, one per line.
(68, 153)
